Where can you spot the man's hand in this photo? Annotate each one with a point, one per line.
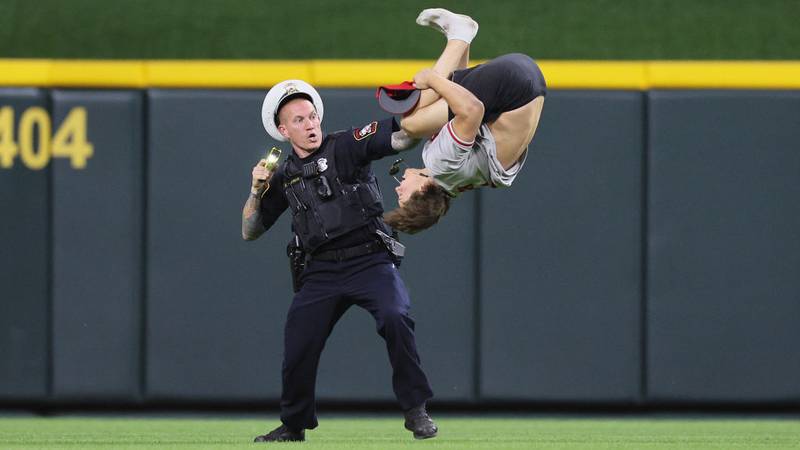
(422, 80)
(466, 107)
(261, 177)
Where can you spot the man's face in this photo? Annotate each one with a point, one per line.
(300, 124)
(413, 180)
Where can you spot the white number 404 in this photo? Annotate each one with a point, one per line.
(68, 142)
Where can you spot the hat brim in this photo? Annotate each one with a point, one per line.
(397, 105)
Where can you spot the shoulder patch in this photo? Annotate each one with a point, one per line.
(365, 131)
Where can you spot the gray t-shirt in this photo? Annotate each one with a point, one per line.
(457, 165)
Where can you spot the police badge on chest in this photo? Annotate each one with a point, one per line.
(313, 170)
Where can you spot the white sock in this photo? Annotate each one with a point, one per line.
(454, 26)
(462, 32)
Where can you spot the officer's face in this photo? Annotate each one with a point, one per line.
(413, 180)
(301, 125)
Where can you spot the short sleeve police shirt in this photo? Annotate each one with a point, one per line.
(358, 147)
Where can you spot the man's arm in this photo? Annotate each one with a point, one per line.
(373, 141)
(401, 141)
(252, 226)
(468, 110)
(252, 220)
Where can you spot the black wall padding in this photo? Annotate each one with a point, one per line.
(97, 251)
(560, 258)
(724, 246)
(24, 268)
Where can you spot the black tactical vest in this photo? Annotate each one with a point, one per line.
(324, 206)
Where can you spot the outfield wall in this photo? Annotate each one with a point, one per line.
(648, 254)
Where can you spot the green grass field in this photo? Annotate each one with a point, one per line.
(301, 29)
(386, 433)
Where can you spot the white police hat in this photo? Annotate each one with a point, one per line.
(280, 94)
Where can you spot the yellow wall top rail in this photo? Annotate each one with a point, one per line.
(636, 75)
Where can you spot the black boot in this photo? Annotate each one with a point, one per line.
(282, 434)
(418, 421)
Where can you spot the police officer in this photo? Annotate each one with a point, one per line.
(328, 185)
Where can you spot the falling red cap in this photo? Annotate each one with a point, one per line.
(398, 98)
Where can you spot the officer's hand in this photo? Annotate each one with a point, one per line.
(423, 77)
(261, 176)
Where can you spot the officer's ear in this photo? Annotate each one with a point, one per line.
(283, 131)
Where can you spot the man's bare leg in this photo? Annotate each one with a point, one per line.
(424, 122)
(459, 30)
(451, 59)
(514, 130)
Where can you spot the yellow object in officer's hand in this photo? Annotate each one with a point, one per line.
(271, 161)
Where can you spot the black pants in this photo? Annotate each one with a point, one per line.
(371, 282)
(503, 84)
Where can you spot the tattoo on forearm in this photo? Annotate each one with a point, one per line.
(252, 227)
(402, 141)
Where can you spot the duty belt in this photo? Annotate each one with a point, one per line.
(342, 254)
